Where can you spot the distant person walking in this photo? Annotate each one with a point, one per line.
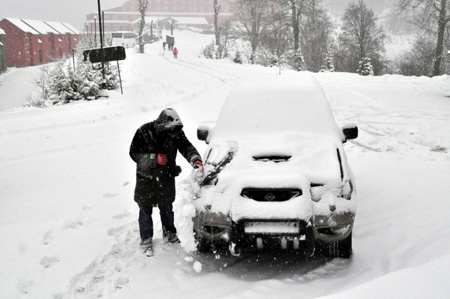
(164, 46)
(175, 52)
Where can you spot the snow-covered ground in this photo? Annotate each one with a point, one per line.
(68, 223)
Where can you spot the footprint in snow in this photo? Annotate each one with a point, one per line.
(121, 216)
(48, 262)
(73, 224)
(48, 237)
(109, 195)
(439, 149)
(24, 286)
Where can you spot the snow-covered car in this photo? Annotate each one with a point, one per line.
(276, 172)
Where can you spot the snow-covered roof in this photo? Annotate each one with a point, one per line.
(1, 31)
(148, 20)
(59, 27)
(40, 26)
(71, 28)
(190, 20)
(111, 21)
(22, 26)
(273, 104)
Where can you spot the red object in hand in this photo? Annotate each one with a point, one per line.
(162, 159)
(198, 164)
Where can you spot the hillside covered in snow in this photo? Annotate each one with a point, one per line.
(68, 222)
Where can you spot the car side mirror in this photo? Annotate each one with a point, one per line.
(350, 131)
(203, 133)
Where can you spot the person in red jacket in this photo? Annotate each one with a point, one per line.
(175, 52)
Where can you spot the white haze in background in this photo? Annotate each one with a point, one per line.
(73, 12)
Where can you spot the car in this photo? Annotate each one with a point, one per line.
(276, 173)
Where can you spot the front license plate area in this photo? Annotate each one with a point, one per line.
(272, 228)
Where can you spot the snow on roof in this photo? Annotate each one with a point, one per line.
(112, 21)
(71, 28)
(191, 20)
(40, 26)
(273, 104)
(178, 20)
(1, 31)
(148, 20)
(58, 27)
(22, 26)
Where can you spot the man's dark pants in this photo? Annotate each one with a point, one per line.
(146, 222)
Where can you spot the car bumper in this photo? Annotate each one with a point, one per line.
(332, 228)
(219, 228)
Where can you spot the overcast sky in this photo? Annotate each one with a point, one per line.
(70, 11)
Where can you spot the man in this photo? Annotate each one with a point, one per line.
(154, 149)
(175, 53)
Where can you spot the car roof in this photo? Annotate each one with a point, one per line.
(287, 103)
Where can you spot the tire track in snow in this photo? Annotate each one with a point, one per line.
(384, 128)
(203, 69)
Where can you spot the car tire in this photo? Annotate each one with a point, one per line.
(342, 249)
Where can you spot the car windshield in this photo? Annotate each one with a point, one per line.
(276, 105)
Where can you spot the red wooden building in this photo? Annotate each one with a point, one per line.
(33, 42)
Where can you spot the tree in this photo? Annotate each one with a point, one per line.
(275, 40)
(429, 15)
(360, 38)
(315, 29)
(310, 31)
(216, 8)
(294, 12)
(251, 16)
(142, 9)
(419, 60)
(365, 67)
(298, 62)
(238, 58)
(329, 63)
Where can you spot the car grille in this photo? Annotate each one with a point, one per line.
(270, 195)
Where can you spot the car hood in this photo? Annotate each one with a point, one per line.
(274, 161)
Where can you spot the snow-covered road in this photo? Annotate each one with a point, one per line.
(68, 223)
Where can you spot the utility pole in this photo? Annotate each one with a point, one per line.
(95, 32)
(103, 92)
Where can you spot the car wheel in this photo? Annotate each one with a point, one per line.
(342, 249)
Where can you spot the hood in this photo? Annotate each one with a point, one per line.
(167, 119)
(282, 156)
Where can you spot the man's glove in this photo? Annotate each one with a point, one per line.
(162, 159)
(199, 164)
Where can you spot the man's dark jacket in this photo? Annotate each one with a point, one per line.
(155, 184)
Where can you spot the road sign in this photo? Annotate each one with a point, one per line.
(111, 54)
